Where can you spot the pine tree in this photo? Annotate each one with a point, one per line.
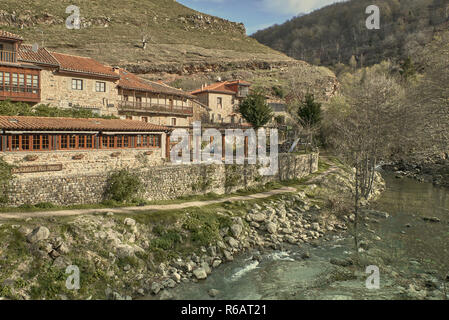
(255, 110)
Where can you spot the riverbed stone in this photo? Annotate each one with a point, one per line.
(233, 242)
(213, 293)
(155, 287)
(236, 230)
(271, 227)
(200, 273)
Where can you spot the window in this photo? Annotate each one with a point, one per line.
(15, 143)
(104, 140)
(119, 141)
(45, 142)
(100, 86)
(126, 141)
(15, 82)
(129, 117)
(89, 141)
(82, 142)
(1, 81)
(22, 82)
(36, 142)
(77, 84)
(145, 119)
(72, 142)
(7, 80)
(64, 141)
(29, 83)
(111, 142)
(220, 102)
(25, 142)
(173, 121)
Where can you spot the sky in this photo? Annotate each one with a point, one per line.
(256, 14)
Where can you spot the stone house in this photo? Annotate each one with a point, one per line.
(223, 100)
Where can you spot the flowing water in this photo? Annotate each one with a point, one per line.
(285, 275)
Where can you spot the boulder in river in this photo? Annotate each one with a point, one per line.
(200, 273)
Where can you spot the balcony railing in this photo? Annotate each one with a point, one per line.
(8, 56)
(154, 108)
(19, 93)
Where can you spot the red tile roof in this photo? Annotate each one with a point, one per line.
(75, 124)
(9, 35)
(129, 80)
(221, 87)
(41, 56)
(84, 65)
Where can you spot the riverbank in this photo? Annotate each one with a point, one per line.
(404, 233)
(127, 255)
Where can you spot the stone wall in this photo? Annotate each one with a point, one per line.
(92, 161)
(56, 90)
(162, 182)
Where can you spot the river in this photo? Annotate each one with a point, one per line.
(287, 275)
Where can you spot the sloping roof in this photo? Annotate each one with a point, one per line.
(221, 87)
(129, 80)
(41, 56)
(9, 35)
(75, 124)
(84, 65)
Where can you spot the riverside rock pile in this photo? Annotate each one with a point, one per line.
(292, 219)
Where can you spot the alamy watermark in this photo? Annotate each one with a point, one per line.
(373, 280)
(74, 20)
(73, 280)
(373, 21)
(256, 147)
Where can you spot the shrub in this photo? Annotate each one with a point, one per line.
(5, 179)
(45, 205)
(123, 185)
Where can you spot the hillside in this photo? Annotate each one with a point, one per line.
(185, 48)
(179, 39)
(334, 33)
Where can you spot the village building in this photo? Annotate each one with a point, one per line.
(155, 102)
(19, 81)
(223, 100)
(39, 76)
(72, 145)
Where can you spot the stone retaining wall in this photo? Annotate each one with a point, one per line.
(161, 182)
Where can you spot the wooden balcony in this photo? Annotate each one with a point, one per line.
(145, 107)
(8, 56)
(21, 93)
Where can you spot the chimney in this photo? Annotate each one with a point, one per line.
(116, 69)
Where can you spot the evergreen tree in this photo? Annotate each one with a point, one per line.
(256, 110)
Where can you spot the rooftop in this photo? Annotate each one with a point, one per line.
(41, 56)
(222, 87)
(28, 123)
(129, 80)
(78, 64)
(10, 36)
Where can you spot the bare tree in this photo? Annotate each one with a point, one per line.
(362, 128)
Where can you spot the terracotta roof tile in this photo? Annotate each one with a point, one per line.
(84, 65)
(75, 124)
(41, 56)
(131, 81)
(221, 87)
(9, 35)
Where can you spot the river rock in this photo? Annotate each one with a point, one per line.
(216, 263)
(155, 288)
(271, 227)
(233, 243)
(129, 222)
(431, 219)
(39, 233)
(206, 267)
(200, 273)
(258, 217)
(169, 283)
(165, 295)
(228, 255)
(236, 230)
(213, 292)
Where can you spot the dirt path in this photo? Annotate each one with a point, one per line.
(157, 207)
